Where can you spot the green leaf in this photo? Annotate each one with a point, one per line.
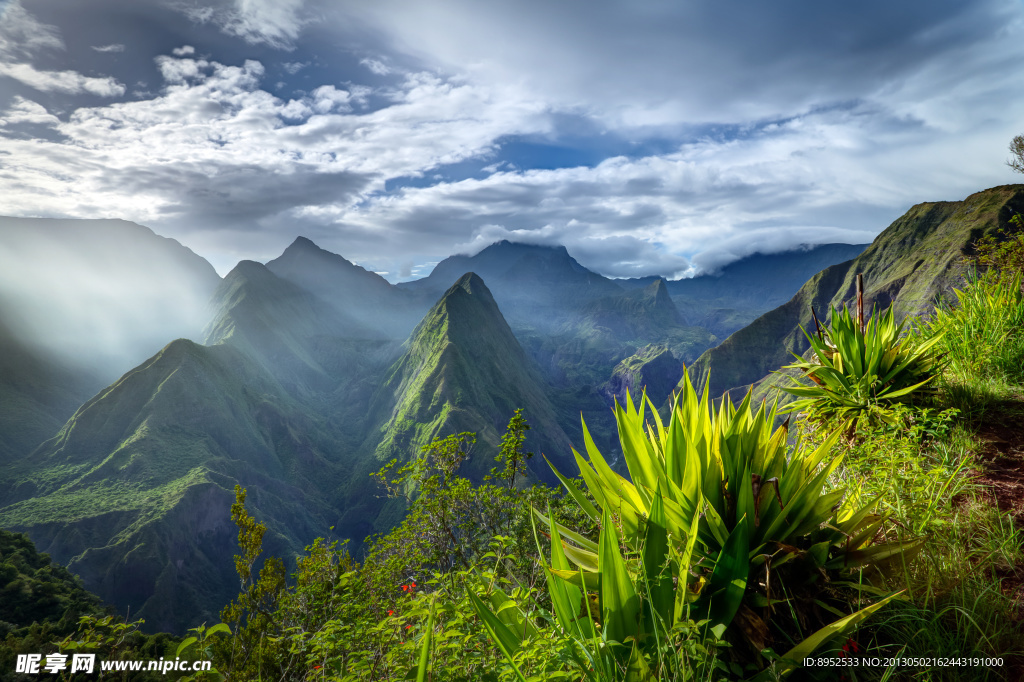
(620, 604)
(424, 664)
(728, 581)
(793, 658)
(506, 640)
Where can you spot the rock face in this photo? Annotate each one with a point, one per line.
(912, 262)
(653, 368)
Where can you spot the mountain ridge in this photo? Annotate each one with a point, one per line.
(912, 262)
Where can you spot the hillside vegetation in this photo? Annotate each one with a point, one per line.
(887, 531)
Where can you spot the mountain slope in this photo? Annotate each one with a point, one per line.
(463, 370)
(305, 343)
(354, 291)
(133, 493)
(909, 264)
(37, 395)
(741, 291)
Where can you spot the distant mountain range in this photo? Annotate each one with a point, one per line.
(298, 379)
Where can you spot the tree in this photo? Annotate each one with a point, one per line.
(1017, 150)
(511, 451)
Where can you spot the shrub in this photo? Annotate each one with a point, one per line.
(860, 371)
(718, 524)
(981, 335)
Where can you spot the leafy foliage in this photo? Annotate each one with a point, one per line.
(860, 370)
(714, 495)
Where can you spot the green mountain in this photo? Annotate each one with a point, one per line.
(653, 369)
(81, 302)
(604, 331)
(463, 370)
(292, 401)
(133, 493)
(37, 394)
(910, 264)
(354, 291)
(300, 339)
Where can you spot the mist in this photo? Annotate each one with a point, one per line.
(100, 295)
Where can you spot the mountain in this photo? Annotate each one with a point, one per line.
(652, 369)
(533, 285)
(100, 295)
(300, 339)
(133, 493)
(632, 314)
(463, 370)
(355, 292)
(37, 394)
(290, 400)
(741, 291)
(912, 262)
(81, 302)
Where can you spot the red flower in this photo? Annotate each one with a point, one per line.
(405, 588)
(412, 585)
(408, 626)
(317, 667)
(391, 613)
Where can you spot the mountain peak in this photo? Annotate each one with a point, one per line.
(248, 269)
(658, 289)
(303, 243)
(472, 284)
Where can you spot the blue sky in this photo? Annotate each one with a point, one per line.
(648, 137)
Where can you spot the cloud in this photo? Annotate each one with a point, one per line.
(70, 82)
(215, 151)
(22, 35)
(707, 132)
(276, 23)
(376, 66)
(27, 111)
(667, 63)
(114, 47)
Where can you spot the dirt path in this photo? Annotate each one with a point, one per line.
(1002, 473)
(1003, 460)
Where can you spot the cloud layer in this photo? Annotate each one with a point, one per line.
(660, 139)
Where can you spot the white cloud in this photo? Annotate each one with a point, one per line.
(327, 98)
(27, 111)
(183, 51)
(70, 82)
(113, 47)
(22, 35)
(376, 66)
(215, 150)
(670, 63)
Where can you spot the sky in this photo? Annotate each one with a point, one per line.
(648, 137)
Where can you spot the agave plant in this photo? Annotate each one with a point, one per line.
(718, 523)
(858, 370)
